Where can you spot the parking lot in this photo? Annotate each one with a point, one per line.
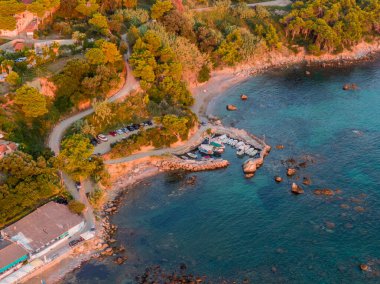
(103, 144)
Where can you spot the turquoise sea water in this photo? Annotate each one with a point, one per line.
(228, 228)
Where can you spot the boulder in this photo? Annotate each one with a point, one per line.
(280, 147)
(249, 175)
(324, 191)
(249, 166)
(291, 172)
(244, 97)
(231, 107)
(364, 267)
(278, 179)
(296, 189)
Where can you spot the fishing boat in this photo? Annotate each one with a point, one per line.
(216, 144)
(192, 155)
(206, 149)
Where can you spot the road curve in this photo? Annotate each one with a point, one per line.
(56, 135)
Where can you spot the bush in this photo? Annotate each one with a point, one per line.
(76, 207)
(204, 74)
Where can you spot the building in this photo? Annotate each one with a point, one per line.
(22, 21)
(6, 148)
(11, 255)
(44, 229)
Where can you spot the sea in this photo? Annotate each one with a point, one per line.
(224, 228)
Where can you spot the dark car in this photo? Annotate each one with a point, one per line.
(78, 185)
(73, 243)
(94, 141)
(149, 122)
(125, 130)
(130, 128)
(136, 126)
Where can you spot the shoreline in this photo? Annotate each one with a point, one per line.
(205, 98)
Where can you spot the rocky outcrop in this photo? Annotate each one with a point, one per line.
(231, 107)
(250, 166)
(306, 181)
(324, 191)
(191, 165)
(296, 189)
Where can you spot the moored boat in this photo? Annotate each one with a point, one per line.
(192, 155)
(206, 149)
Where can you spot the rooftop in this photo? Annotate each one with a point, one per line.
(9, 252)
(42, 226)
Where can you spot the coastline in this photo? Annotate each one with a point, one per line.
(205, 98)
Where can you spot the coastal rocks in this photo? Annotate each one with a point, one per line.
(120, 260)
(324, 191)
(231, 107)
(280, 147)
(278, 179)
(291, 172)
(191, 180)
(244, 97)
(297, 189)
(350, 86)
(250, 166)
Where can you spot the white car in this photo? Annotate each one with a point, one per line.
(102, 137)
(119, 131)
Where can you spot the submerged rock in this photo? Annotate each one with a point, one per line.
(296, 189)
(231, 107)
(306, 181)
(364, 267)
(280, 147)
(324, 191)
(244, 97)
(350, 86)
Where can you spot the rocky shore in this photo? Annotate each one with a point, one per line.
(191, 165)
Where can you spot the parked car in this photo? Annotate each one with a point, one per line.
(102, 137)
(94, 141)
(119, 131)
(112, 133)
(149, 122)
(73, 243)
(78, 185)
(130, 128)
(136, 126)
(125, 130)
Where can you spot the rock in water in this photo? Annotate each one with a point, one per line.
(364, 267)
(296, 189)
(231, 107)
(244, 97)
(249, 168)
(291, 172)
(278, 179)
(306, 181)
(280, 147)
(351, 86)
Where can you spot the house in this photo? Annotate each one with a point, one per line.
(44, 229)
(11, 255)
(6, 148)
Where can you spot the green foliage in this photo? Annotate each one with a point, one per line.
(76, 207)
(204, 74)
(87, 8)
(99, 22)
(75, 157)
(327, 25)
(130, 3)
(95, 56)
(28, 183)
(160, 8)
(32, 102)
(96, 197)
(8, 9)
(13, 79)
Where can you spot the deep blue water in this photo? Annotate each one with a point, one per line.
(230, 228)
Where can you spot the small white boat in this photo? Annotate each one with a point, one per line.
(192, 155)
(240, 152)
(218, 150)
(184, 158)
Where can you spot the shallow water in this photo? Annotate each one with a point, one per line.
(229, 228)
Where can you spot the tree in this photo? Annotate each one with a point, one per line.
(160, 8)
(130, 3)
(13, 79)
(76, 207)
(95, 56)
(87, 8)
(204, 74)
(110, 52)
(78, 37)
(103, 112)
(32, 102)
(75, 157)
(99, 22)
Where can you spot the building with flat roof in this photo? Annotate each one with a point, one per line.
(44, 228)
(11, 255)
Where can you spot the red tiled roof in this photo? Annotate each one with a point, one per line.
(18, 46)
(31, 27)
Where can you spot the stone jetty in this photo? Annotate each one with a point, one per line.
(175, 163)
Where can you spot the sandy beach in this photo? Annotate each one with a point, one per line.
(128, 174)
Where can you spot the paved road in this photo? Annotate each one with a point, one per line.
(280, 3)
